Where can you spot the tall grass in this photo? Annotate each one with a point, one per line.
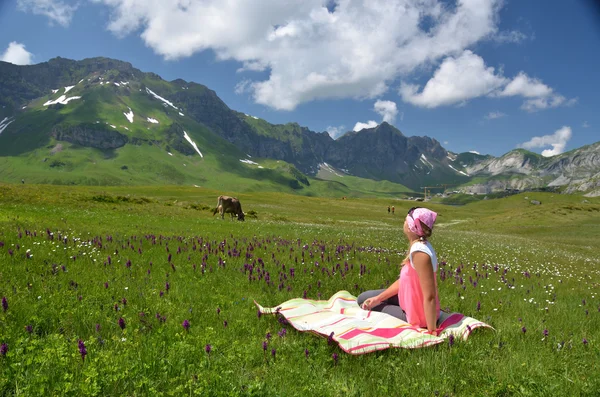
(76, 260)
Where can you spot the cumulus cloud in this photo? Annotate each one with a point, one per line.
(387, 109)
(57, 11)
(558, 141)
(17, 54)
(361, 126)
(494, 115)
(459, 79)
(456, 80)
(310, 49)
(336, 132)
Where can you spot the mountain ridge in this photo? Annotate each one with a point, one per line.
(104, 92)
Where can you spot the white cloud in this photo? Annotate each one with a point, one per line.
(58, 11)
(585, 124)
(558, 141)
(474, 152)
(456, 80)
(466, 77)
(526, 86)
(510, 36)
(309, 52)
(387, 110)
(336, 132)
(369, 124)
(17, 54)
(494, 115)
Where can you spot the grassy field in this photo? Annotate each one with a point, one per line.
(118, 273)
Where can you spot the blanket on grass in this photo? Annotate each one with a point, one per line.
(359, 331)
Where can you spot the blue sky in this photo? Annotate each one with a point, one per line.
(482, 75)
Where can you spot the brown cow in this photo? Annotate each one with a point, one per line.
(230, 205)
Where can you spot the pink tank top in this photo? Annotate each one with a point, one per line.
(410, 296)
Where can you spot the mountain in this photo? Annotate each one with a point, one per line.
(574, 171)
(102, 121)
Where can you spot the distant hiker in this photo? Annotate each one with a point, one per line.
(414, 296)
(388, 209)
(393, 210)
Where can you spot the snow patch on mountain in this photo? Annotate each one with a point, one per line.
(129, 115)
(155, 95)
(187, 138)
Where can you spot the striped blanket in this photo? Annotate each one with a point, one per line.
(359, 331)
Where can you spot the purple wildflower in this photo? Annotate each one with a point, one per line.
(258, 313)
(523, 329)
(335, 358)
(225, 323)
(218, 311)
(545, 333)
(306, 353)
(106, 284)
(208, 349)
(29, 328)
(3, 349)
(162, 293)
(451, 340)
(4, 304)
(273, 352)
(478, 306)
(268, 336)
(121, 323)
(124, 300)
(167, 286)
(186, 325)
(282, 333)
(97, 327)
(584, 341)
(82, 350)
(264, 345)
(330, 338)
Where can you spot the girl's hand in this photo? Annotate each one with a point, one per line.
(370, 303)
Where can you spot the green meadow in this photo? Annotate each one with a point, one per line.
(142, 291)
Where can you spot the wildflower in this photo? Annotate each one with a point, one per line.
(545, 333)
(258, 313)
(124, 301)
(282, 333)
(584, 341)
(186, 325)
(218, 311)
(330, 338)
(273, 352)
(167, 286)
(268, 336)
(306, 353)
(29, 328)
(121, 323)
(335, 358)
(451, 340)
(208, 349)
(97, 327)
(106, 284)
(524, 329)
(82, 350)
(162, 293)
(3, 349)
(264, 345)
(225, 323)
(4, 304)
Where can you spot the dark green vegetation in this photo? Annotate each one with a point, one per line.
(75, 257)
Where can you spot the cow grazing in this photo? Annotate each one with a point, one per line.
(230, 205)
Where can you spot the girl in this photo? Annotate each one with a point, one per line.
(414, 296)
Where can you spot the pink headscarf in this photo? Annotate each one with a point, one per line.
(424, 215)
